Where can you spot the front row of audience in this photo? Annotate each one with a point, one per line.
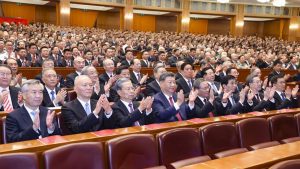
(92, 110)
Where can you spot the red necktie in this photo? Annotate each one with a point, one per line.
(172, 104)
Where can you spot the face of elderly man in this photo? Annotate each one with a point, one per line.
(108, 65)
(50, 78)
(127, 91)
(83, 87)
(79, 63)
(5, 76)
(33, 95)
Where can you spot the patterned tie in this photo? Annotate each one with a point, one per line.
(7, 104)
(232, 101)
(139, 77)
(52, 95)
(136, 123)
(87, 108)
(283, 96)
(172, 104)
(190, 84)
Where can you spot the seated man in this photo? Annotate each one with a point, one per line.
(78, 65)
(109, 68)
(284, 97)
(209, 76)
(53, 96)
(204, 100)
(186, 82)
(228, 102)
(128, 112)
(168, 106)
(31, 121)
(84, 114)
(9, 96)
(153, 87)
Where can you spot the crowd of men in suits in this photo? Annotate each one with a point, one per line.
(122, 96)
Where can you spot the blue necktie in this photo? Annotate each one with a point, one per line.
(87, 108)
(283, 96)
(52, 95)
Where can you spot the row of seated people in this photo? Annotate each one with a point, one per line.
(174, 148)
(92, 110)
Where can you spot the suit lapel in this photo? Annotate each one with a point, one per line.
(14, 94)
(26, 117)
(81, 112)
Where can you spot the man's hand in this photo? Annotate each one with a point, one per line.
(295, 91)
(49, 119)
(60, 96)
(180, 98)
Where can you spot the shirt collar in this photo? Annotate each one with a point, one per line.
(49, 90)
(1, 89)
(83, 103)
(201, 98)
(30, 110)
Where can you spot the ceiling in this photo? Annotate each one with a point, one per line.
(290, 3)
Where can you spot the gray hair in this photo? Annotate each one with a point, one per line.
(120, 82)
(155, 70)
(198, 82)
(30, 82)
(85, 70)
(164, 76)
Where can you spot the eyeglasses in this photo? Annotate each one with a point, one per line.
(2, 74)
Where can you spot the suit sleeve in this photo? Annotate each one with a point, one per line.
(124, 120)
(201, 112)
(78, 126)
(14, 134)
(163, 113)
(69, 82)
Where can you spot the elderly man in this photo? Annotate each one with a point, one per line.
(128, 112)
(31, 121)
(153, 87)
(78, 65)
(109, 68)
(85, 114)
(53, 95)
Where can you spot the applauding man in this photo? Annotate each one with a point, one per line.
(85, 114)
(31, 121)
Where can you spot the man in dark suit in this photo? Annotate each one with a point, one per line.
(57, 59)
(49, 64)
(209, 75)
(145, 62)
(109, 68)
(22, 61)
(84, 114)
(9, 96)
(128, 112)
(153, 87)
(67, 60)
(32, 54)
(191, 57)
(168, 106)
(284, 97)
(78, 65)
(128, 58)
(228, 102)
(235, 73)
(186, 82)
(136, 76)
(257, 101)
(44, 55)
(174, 58)
(162, 58)
(53, 96)
(277, 66)
(292, 65)
(201, 99)
(31, 121)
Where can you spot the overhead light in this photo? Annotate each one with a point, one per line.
(36, 2)
(240, 24)
(223, 1)
(279, 3)
(294, 26)
(258, 19)
(205, 16)
(90, 7)
(263, 1)
(147, 12)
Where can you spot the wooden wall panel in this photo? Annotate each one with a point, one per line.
(253, 28)
(1, 11)
(198, 26)
(272, 28)
(15, 10)
(45, 14)
(166, 23)
(83, 18)
(218, 26)
(143, 22)
(108, 20)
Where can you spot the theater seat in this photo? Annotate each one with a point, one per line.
(18, 161)
(3, 131)
(283, 128)
(220, 140)
(179, 144)
(297, 117)
(134, 151)
(254, 133)
(289, 164)
(71, 95)
(78, 155)
(62, 124)
(157, 167)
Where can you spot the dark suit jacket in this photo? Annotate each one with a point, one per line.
(19, 125)
(125, 62)
(182, 84)
(178, 76)
(229, 109)
(200, 109)
(189, 59)
(134, 79)
(47, 99)
(260, 104)
(283, 104)
(70, 79)
(63, 63)
(144, 64)
(172, 61)
(27, 63)
(126, 119)
(218, 85)
(164, 112)
(77, 121)
(152, 88)
(103, 78)
(13, 91)
(291, 67)
(274, 73)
